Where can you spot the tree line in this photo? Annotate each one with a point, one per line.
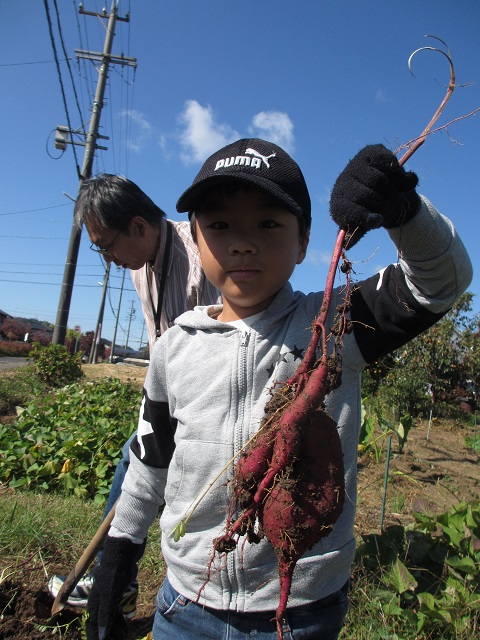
(439, 369)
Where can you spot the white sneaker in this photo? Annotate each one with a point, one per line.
(79, 596)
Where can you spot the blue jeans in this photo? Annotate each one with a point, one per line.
(120, 471)
(179, 618)
(116, 490)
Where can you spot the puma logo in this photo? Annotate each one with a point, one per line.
(259, 155)
(246, 160)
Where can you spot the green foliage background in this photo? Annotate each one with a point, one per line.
(55, 365)
(431, 371)
(423, 579)
(70, 439)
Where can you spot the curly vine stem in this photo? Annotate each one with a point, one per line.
(339, 249)
(451, 86)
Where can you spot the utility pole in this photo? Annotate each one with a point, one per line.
(105, 58)
(98, 330)
(141, 337)
(112, 352)
(130, 317)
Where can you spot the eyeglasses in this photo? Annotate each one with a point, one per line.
(105, 250)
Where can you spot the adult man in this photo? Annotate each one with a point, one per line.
(127, 228)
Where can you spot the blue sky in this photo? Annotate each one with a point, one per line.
(320, 78)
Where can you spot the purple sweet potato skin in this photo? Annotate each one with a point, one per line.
(290, 480)
(307, 499)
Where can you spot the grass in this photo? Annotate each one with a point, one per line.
(49, 522)
(45, 534)
(18, 387)
(57, 527)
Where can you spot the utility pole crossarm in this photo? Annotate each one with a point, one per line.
(103, 14)
(99, 57)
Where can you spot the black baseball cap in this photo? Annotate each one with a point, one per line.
(259, 162)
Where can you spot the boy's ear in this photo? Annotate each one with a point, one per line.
(303, 247)
(138, 227)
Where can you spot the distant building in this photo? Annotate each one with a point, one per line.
(3, 316)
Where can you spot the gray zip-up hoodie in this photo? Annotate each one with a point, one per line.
(205, 394)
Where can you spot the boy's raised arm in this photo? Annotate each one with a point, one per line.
(434, 269)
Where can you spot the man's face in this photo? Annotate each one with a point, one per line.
(249, 246)
(129, 250)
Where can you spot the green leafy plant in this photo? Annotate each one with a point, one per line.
(70, 440)
(55, 365)
(376, 429)
(430, 369)
(401, 430)
(428, 575)
(368, 438)
(473, 443)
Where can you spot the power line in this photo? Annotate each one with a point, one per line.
(20, 64)
(33, 238)
(68, 64)
(54, 206)
(106, 58)
(55, 284)
(47, 273)
(59, 73)
(47, 264)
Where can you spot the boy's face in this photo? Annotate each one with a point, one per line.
(249, 246)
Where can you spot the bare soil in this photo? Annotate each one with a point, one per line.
(124, 372)
(435, 466)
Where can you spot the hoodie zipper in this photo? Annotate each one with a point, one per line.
(232, 560)
(245, 339)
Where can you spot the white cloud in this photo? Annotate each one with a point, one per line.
(201, 135)
(315, 257)
(274, 126)
(162, 142)
(140, 129)
(324, 197)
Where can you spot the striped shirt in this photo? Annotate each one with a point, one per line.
(185, 286)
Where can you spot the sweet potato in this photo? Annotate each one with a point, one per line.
(305, 501)
(294, 496)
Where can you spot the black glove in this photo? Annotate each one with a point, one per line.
(373, 191)
(110, 579)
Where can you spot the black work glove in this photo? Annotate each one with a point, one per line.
(373, 191)
(110, 579)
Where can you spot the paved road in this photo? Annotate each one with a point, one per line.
(8, 362)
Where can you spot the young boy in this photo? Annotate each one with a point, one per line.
(211, 375)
